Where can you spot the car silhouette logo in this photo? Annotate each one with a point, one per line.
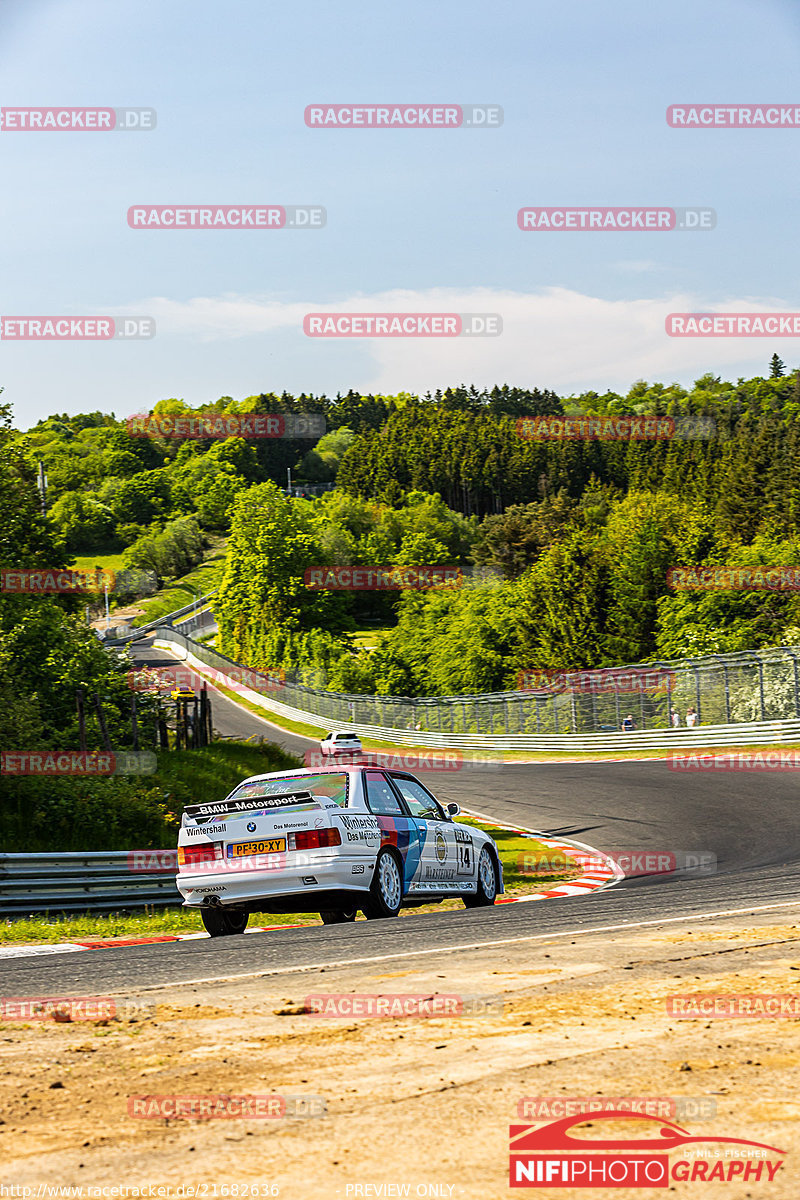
(555, 1135)
(251, 826)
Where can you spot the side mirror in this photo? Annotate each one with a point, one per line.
(453, 809)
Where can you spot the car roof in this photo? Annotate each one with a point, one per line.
(334, 769)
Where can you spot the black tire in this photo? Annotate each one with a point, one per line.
(337, 916)
(487, 882)
(386, 892)
(220, 922)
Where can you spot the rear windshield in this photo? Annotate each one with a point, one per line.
(331, 785)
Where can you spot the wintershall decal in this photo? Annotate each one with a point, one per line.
(552, 1157)
(630, 219)
(227, 216)
(733, 116)
(355, 579)
(403, 116)
(101, 120)
(750, 324)
(244, 425)
(75, 329)
(757, 578)
(402, 325)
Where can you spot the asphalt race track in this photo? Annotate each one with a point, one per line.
(749, 820)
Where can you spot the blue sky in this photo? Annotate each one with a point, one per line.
(417, 220)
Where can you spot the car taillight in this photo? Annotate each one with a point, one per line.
(312, 839)
(190, 856)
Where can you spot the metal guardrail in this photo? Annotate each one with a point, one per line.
(101, 881)
(743, 690)
(752, 733)
(166, 621)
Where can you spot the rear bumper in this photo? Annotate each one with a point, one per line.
(283, 888)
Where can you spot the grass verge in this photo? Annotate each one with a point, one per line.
(50, 929)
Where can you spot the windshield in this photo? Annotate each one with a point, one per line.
(332, 785)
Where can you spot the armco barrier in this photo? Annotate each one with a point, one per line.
(165, 621)
(745, 688)
(100, 881)
(751, 733)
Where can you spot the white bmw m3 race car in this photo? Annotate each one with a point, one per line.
(331, 841)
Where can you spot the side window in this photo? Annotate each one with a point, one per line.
(420, 802)
(380, 797)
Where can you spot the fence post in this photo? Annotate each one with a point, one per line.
(81, 718)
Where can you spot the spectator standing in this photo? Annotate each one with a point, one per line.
(691, 717)
(675, 718)
(628, 724)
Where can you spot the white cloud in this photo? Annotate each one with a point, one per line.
(553, 337)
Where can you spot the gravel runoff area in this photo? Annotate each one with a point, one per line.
(422, 1104)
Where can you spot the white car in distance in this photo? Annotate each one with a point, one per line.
(340, 742)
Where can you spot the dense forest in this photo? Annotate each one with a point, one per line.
(564, 543)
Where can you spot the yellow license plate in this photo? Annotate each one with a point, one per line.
(271, 846)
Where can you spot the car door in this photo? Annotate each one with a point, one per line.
(396, 826)
(439, 851)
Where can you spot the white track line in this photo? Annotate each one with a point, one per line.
(536, 937)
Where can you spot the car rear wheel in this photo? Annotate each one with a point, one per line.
(386, 892)
(487, 882)
(336, 916)
(219, 922)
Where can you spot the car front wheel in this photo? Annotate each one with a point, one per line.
(386, 893)
(487, 882)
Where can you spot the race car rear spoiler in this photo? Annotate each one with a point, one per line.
(223, 807)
